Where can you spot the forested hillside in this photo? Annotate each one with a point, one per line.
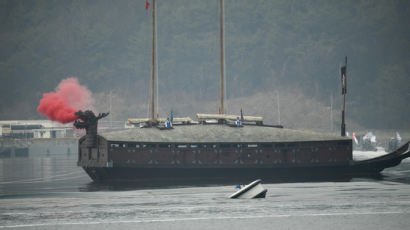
(293, 49)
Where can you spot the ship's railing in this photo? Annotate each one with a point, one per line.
(203, 118)
(176, 120)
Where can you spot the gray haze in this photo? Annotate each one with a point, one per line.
(293, 49)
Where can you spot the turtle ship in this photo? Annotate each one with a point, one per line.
(201, 151)
(219, 147)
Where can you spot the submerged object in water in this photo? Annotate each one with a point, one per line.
(250, 191)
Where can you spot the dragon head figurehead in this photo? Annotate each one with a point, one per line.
(88, 121)
(87, 118)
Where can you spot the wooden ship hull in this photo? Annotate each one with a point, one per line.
(212, 153)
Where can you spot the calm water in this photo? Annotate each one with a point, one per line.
(53, 193)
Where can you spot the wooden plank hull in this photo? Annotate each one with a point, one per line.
(129, 160)
(284, 173)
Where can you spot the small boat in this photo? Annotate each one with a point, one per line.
(250, 191)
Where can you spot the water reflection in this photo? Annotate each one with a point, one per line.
(60, 173)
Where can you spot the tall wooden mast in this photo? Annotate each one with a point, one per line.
(221, 40)
(152, 109)
(344, 92)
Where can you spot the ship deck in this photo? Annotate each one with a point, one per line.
(218, 133)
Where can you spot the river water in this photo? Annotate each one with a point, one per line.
(51, 192)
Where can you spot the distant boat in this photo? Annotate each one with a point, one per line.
(365, 143)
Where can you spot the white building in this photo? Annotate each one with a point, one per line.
(35, 129)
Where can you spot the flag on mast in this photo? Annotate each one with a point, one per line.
(355, 139)
(343, 72)
(146, 4)
(398, 137)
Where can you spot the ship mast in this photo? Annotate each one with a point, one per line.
(221, 81)
(152, 109)
(343, 72)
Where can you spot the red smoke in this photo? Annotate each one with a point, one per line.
(69, 97)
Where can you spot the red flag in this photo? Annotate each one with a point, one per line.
(146, 5)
